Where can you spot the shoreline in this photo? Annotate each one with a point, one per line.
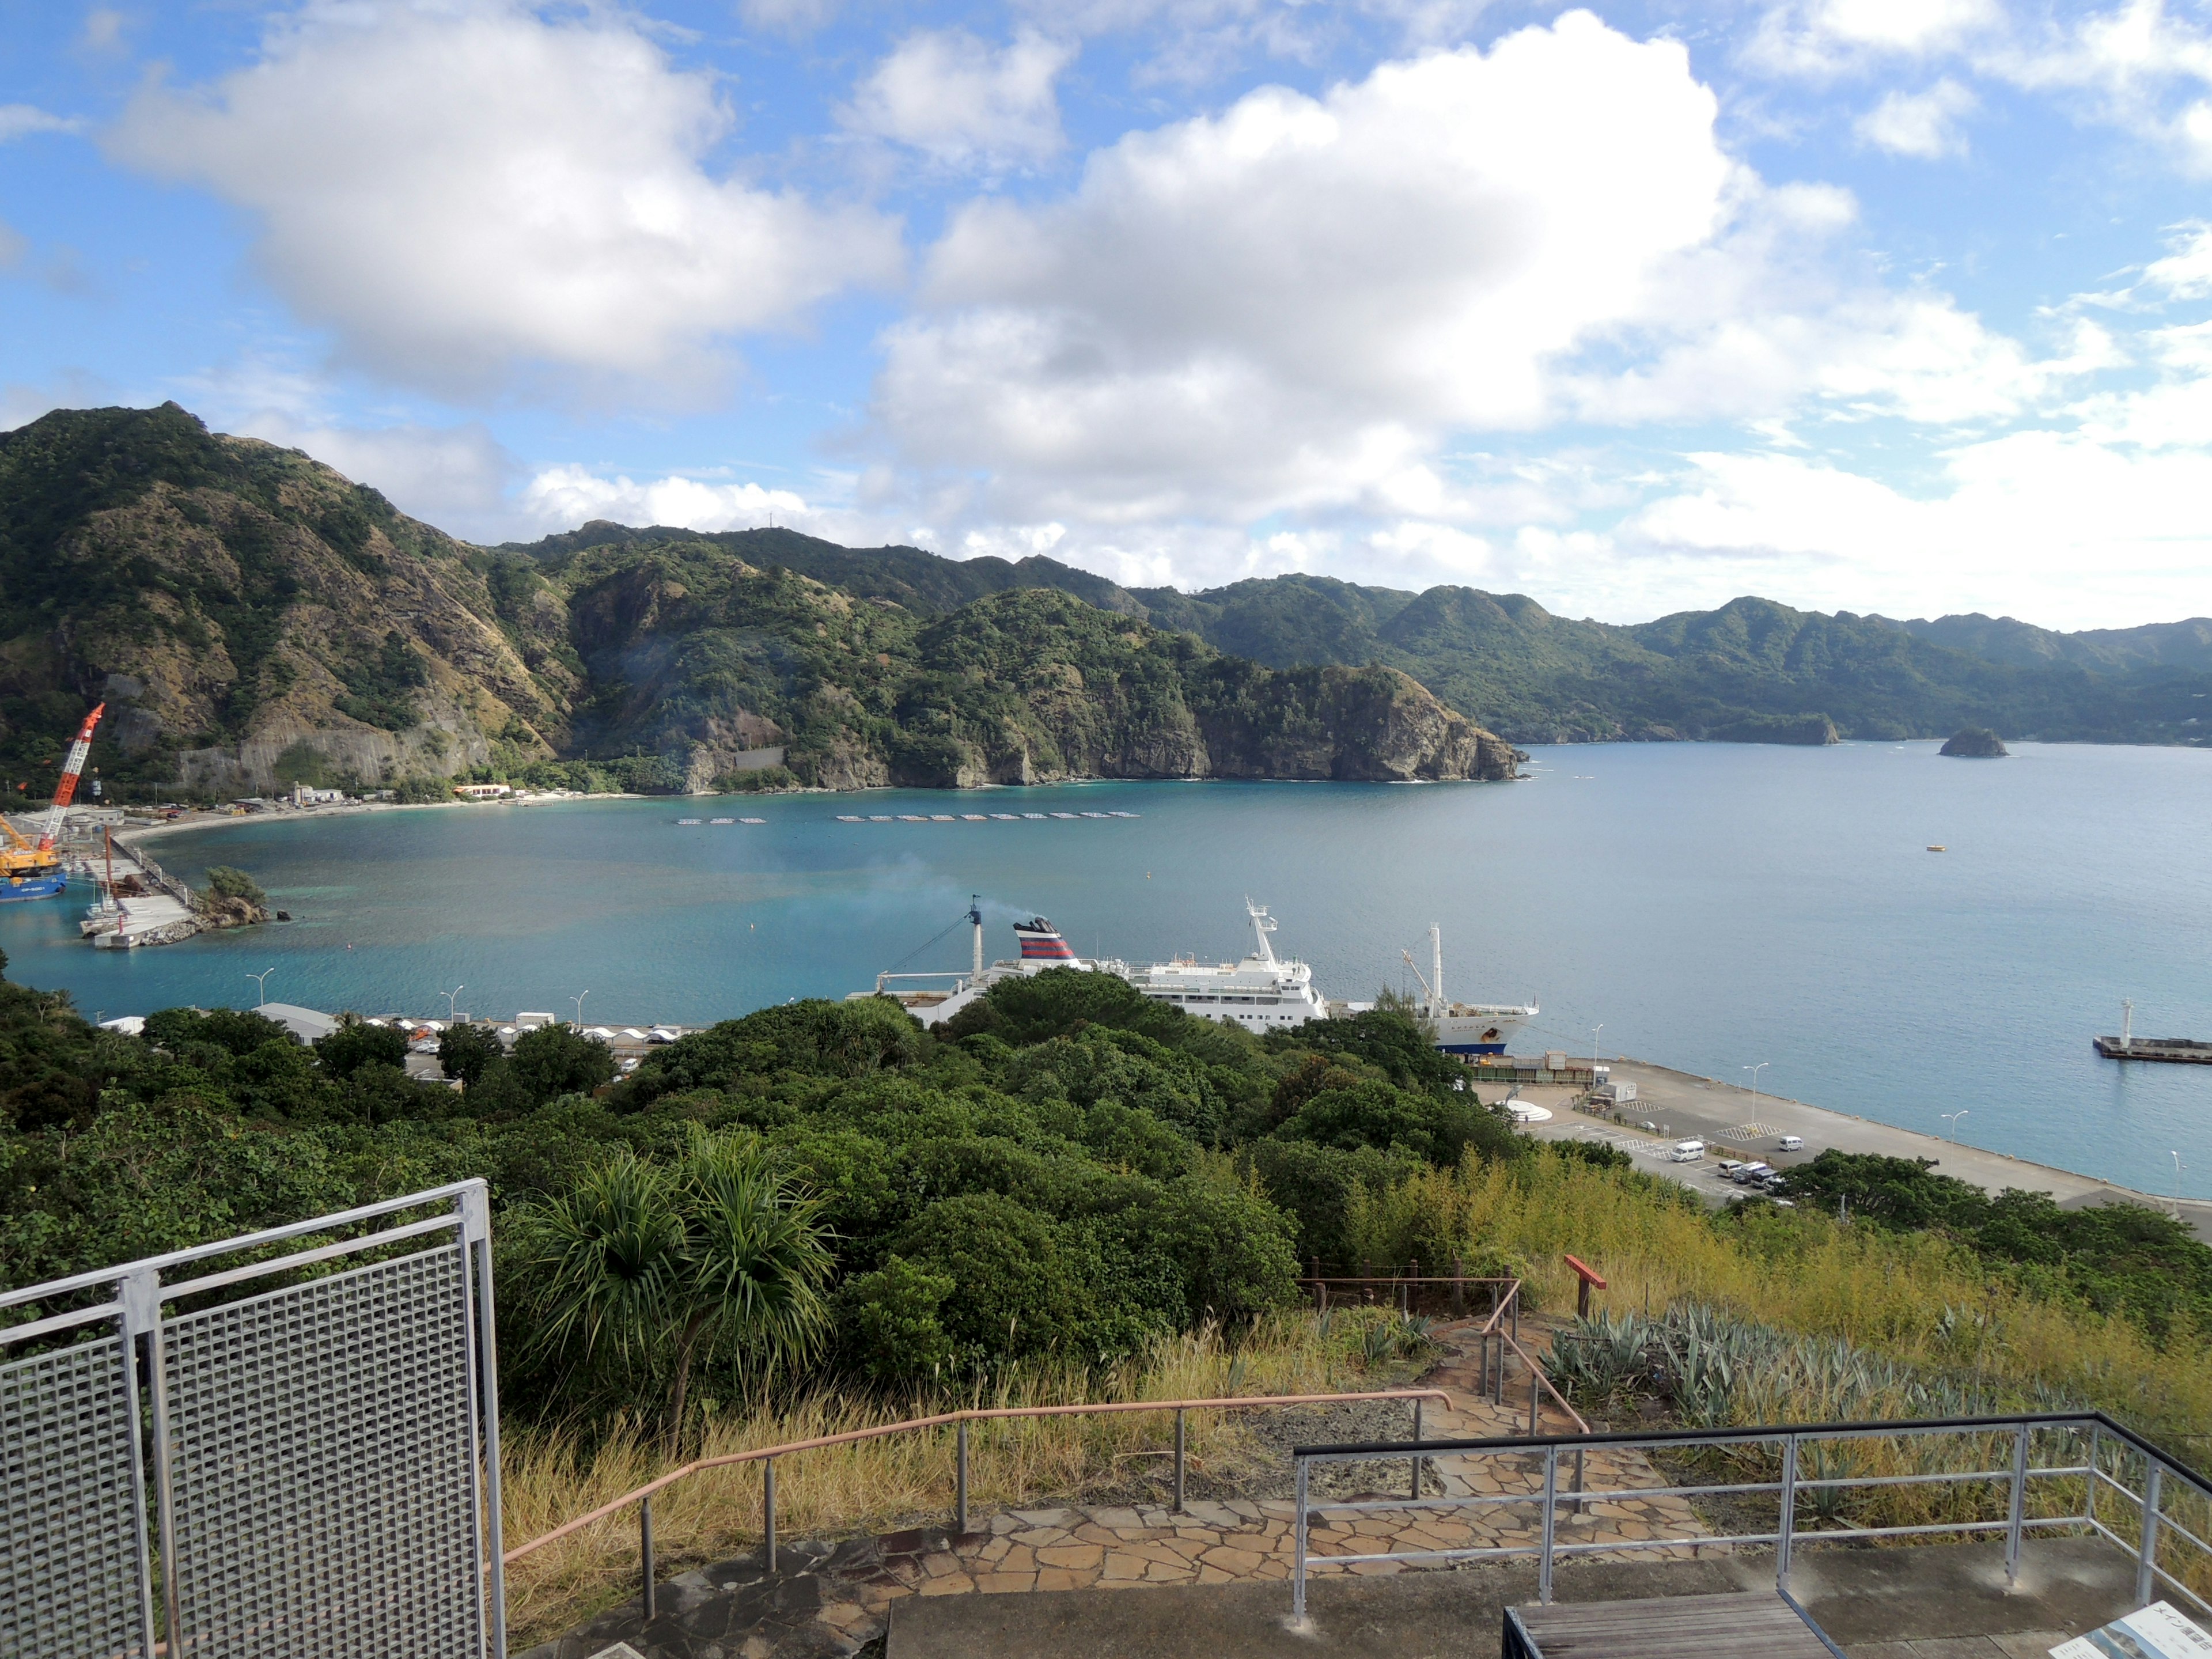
(1687, 1105)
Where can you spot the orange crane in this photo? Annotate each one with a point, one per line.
(33, 869)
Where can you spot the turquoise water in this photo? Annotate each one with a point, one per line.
(1712, 906)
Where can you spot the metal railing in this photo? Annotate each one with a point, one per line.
(2163, 1545)
(766, 1456)
(340, 1396)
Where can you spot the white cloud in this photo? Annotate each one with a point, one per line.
(1921, 124)
(562, 497)
(468, 194)
(963, 104)
(1292, 306)
(1284, 304)
(17, 120)
(2185, 273)
(1828, 36)
(2055, 527)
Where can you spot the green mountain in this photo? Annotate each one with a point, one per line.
(1752, 671)
(252, 618)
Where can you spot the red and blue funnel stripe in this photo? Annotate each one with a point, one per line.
(1041, 942)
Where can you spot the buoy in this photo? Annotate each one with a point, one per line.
(1938, 849)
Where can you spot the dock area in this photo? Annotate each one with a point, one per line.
(2185, 1051)
(1734, 1123)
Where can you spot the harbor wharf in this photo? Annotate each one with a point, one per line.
(1733, 1124)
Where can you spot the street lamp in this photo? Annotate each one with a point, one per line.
(1755, 1071)
(578, 1001)
(449, 996)
(2178, 1167)
(1952, 1118)
(261, 987)
(1595, 1030)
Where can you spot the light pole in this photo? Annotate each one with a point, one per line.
(578, 1001)
(1595, 1030)
(449, 996)
(261, 987)
(1952, 1118)
(1755, 1071)
(2178, 1167)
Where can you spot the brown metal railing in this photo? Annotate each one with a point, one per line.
(766, 1456)
(1500, 1335)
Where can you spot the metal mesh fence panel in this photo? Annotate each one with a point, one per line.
(72, 1521)
(324, 1470)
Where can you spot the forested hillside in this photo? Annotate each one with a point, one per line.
(1751, 671)
(252, 619)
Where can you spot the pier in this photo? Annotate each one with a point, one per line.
(2185, 1051)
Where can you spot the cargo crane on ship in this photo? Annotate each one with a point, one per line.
(33, 869)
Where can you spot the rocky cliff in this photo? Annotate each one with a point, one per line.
(252, 618)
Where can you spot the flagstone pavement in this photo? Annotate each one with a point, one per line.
(828, 1600)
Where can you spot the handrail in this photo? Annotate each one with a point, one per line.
(973, 1415)
(1537, 1374)
(2154, 1524)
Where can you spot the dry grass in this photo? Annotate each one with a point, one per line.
(549, 1477)
(1885, 1292)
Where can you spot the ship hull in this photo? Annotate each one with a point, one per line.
(14, 892)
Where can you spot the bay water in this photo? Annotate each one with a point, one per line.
(1709, 907)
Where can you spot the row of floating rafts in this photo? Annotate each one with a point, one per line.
(721, 820)
(970, 817)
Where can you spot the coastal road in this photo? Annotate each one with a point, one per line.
(1684, 1105)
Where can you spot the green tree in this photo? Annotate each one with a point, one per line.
(559, 1060)
(649, 1264)
(349, 1047)
(465, 1050)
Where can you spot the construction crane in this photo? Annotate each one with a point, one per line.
(72, 769)
(33, 869)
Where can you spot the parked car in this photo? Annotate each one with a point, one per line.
(1752, 1173)
(1729, 1166)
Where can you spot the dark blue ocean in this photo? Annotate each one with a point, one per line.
(1712, 906)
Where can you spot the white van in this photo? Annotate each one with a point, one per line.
(1791, 1144)
(1685, 1151)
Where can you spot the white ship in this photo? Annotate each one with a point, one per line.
(1462, 1028)
(1262, 992)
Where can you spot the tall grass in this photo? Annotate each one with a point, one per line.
(1915, 1298)
(548, 1476)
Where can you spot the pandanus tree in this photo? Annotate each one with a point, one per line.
(651, 1266)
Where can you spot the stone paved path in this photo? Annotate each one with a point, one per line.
(832, 1600)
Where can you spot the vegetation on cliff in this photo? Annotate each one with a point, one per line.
(253, 620)
(1750, 671)
(1976, 743)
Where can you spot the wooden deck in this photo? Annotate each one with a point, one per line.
(1758, 1625)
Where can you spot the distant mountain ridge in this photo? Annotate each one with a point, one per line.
(252, 619)
(1751, 671)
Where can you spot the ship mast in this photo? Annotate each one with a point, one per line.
(1262, 925)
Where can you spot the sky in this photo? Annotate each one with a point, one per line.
(1892, 305)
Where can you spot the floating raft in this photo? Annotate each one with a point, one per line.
(2186, 1051)
(961, 817)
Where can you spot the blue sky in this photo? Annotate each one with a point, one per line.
(1882, 305)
